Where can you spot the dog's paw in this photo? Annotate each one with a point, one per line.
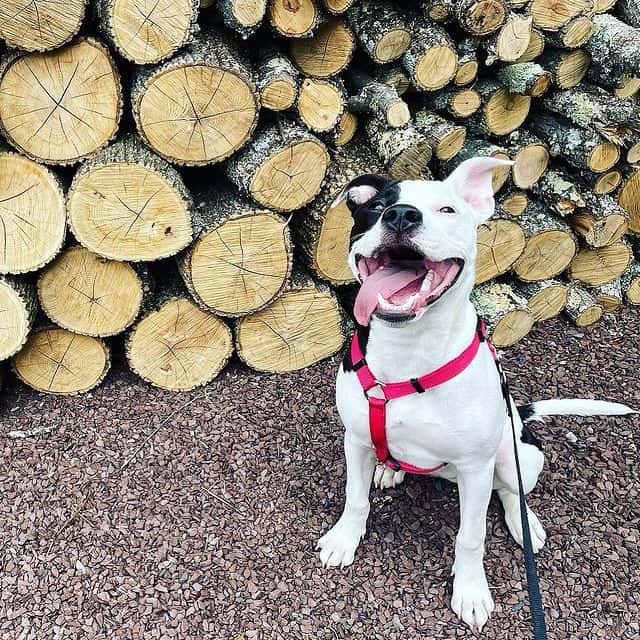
(338, 546)
(385, 478)
(514, 524)
(472, 601)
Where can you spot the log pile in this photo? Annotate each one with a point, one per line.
(168, 168)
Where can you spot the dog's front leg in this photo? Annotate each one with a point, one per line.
(471, 597)
(338, 545)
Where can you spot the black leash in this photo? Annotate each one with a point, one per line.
(533, 584)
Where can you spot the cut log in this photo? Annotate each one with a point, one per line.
(481, 17)
(506, 314)
(573, 34)
(530, 156)
(536, 46)
(629, 198)
(445, 137)
(601, 183)
(321, 103)
(145, 32)
(567, 68)
(609, 296)
(630, 283)
(405, 151)
(614, 48)
(176, 345)
(305, 325)
(559, 193)
(511, 42)
(282, 167)
(582, 307)
(18, 308)
(242, 258)
(594, 267)
(525, 78)
(500, 244)
(176, 112)
(87, 294)
(32, 214)
(337, 7)
(57, 361)
(503, 111)
(297, 19)
(602, 222)
(550, 245)
(63, 106)
(381, 29)
(243, 16)
(581, 148)
(513, 202)
(546, 299)
(441, 11)
(627, 87)
(603, 6)
(380, 99)
(277, 82)
(552, 15)
(344, 132)
(40, 25)
(128, 204)
(327, 52)
(452, 101)
(431, 59)
(468, 64)
(394, 76)
(322, 231)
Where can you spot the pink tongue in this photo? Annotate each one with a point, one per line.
(386, 281)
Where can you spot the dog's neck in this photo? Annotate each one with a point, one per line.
(401, 353)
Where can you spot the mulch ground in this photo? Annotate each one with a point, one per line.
(146, 514)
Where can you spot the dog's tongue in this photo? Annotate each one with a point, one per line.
(386, 281)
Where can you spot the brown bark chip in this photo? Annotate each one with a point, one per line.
(139, 513)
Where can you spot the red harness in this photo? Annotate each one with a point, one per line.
(393, 390)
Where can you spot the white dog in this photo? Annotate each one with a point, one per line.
(413, 248)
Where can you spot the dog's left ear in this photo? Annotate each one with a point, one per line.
(471, 180)
(361, 190)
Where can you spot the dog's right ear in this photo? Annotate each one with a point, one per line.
(360, 190)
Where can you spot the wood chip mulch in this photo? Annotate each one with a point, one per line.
(138, 513)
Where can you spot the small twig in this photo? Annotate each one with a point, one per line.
(220, 499)
(71, 518)
(36, 431)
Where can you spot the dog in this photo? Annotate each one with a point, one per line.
(413, 250)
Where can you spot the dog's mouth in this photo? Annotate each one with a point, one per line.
(399, 282)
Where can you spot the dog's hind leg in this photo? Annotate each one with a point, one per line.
(511, 503)
(386, 478)
(337, 546)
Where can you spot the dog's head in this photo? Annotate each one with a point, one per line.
(413, 242)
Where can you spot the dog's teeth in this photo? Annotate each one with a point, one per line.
(426, 283)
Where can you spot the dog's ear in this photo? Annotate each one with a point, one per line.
(360, 190)
(472, 182)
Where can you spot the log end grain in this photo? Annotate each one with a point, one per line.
(500, 243)
(294, 19)
(531, 162)
(17, 307)
(327, 53)
(545, 255)
(320, 104)
(505, 111)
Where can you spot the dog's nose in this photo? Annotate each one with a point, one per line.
(401, 218)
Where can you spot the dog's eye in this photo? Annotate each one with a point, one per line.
(449, 211)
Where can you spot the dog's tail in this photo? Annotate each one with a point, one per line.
(572, 407)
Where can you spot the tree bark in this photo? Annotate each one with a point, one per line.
(582, 307)
(630, 283)
(382, 100)
(546, 299)
(614, 48)
(481, 17)
(525, 78)
(557, 191)
(445, 137)
(567, 68)
(609, 296)
(277, 80)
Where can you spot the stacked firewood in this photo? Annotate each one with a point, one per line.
(167, 169)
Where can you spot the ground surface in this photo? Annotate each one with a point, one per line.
(146, 514)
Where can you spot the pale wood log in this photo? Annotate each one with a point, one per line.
(537, 43)
(630, 283)
(600, 183)
(442, 11)
(601, 222)
(481, 17)
(453, 101)
(468, 63)
(337, 7)
(552, 15)
(573, 34)
(546, 299)
(62, 106)
(609, 296)
(557, 190)
(530, 156)
(582, 307)
(502, 111)
(277, 80)
(297, 19)
(321, 103)
(603, 6)
(344, 131)
(445, 137)
(594, 267)
(567, 68)
(511, 42)
(513, 202)
(500, 243)
(525, 78)
(243, 16)
(370, 96)
(18, 305)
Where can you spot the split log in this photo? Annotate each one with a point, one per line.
(581, 148)
(506, 314)
(530, 156)
(381, 29)
(40, 25)
(502, 111)
(537, 43)
(550, 245)
(609, 296)
(511, 42)
(525, 78)
(573, 34)
(321, 231)
(405, 151)
(32, 213)
(87, 294)
(594, 267)
(63, 106)
(243, 16)
(277, 81)
(282, 167)
(500, 243)
(559, 193)
(546, 299)
(327, 52)
(431, 60)
(445, 137)
(630, 283)
(602, 222)
(321, 103)
(567, 68)
(18, 305)
(242, 258)
(337, 7)
(126, 203)
(176, 345)
(614, 48)
(582, 307)
(452, 101)
(601, 183)
(468, 64)
(57, 361)
(147, 33)
(513, 202)
(302, 327)
(176, 112)
(481, 17)
(380, 99)
(294, 19)
(552, 15)
(629, 198)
